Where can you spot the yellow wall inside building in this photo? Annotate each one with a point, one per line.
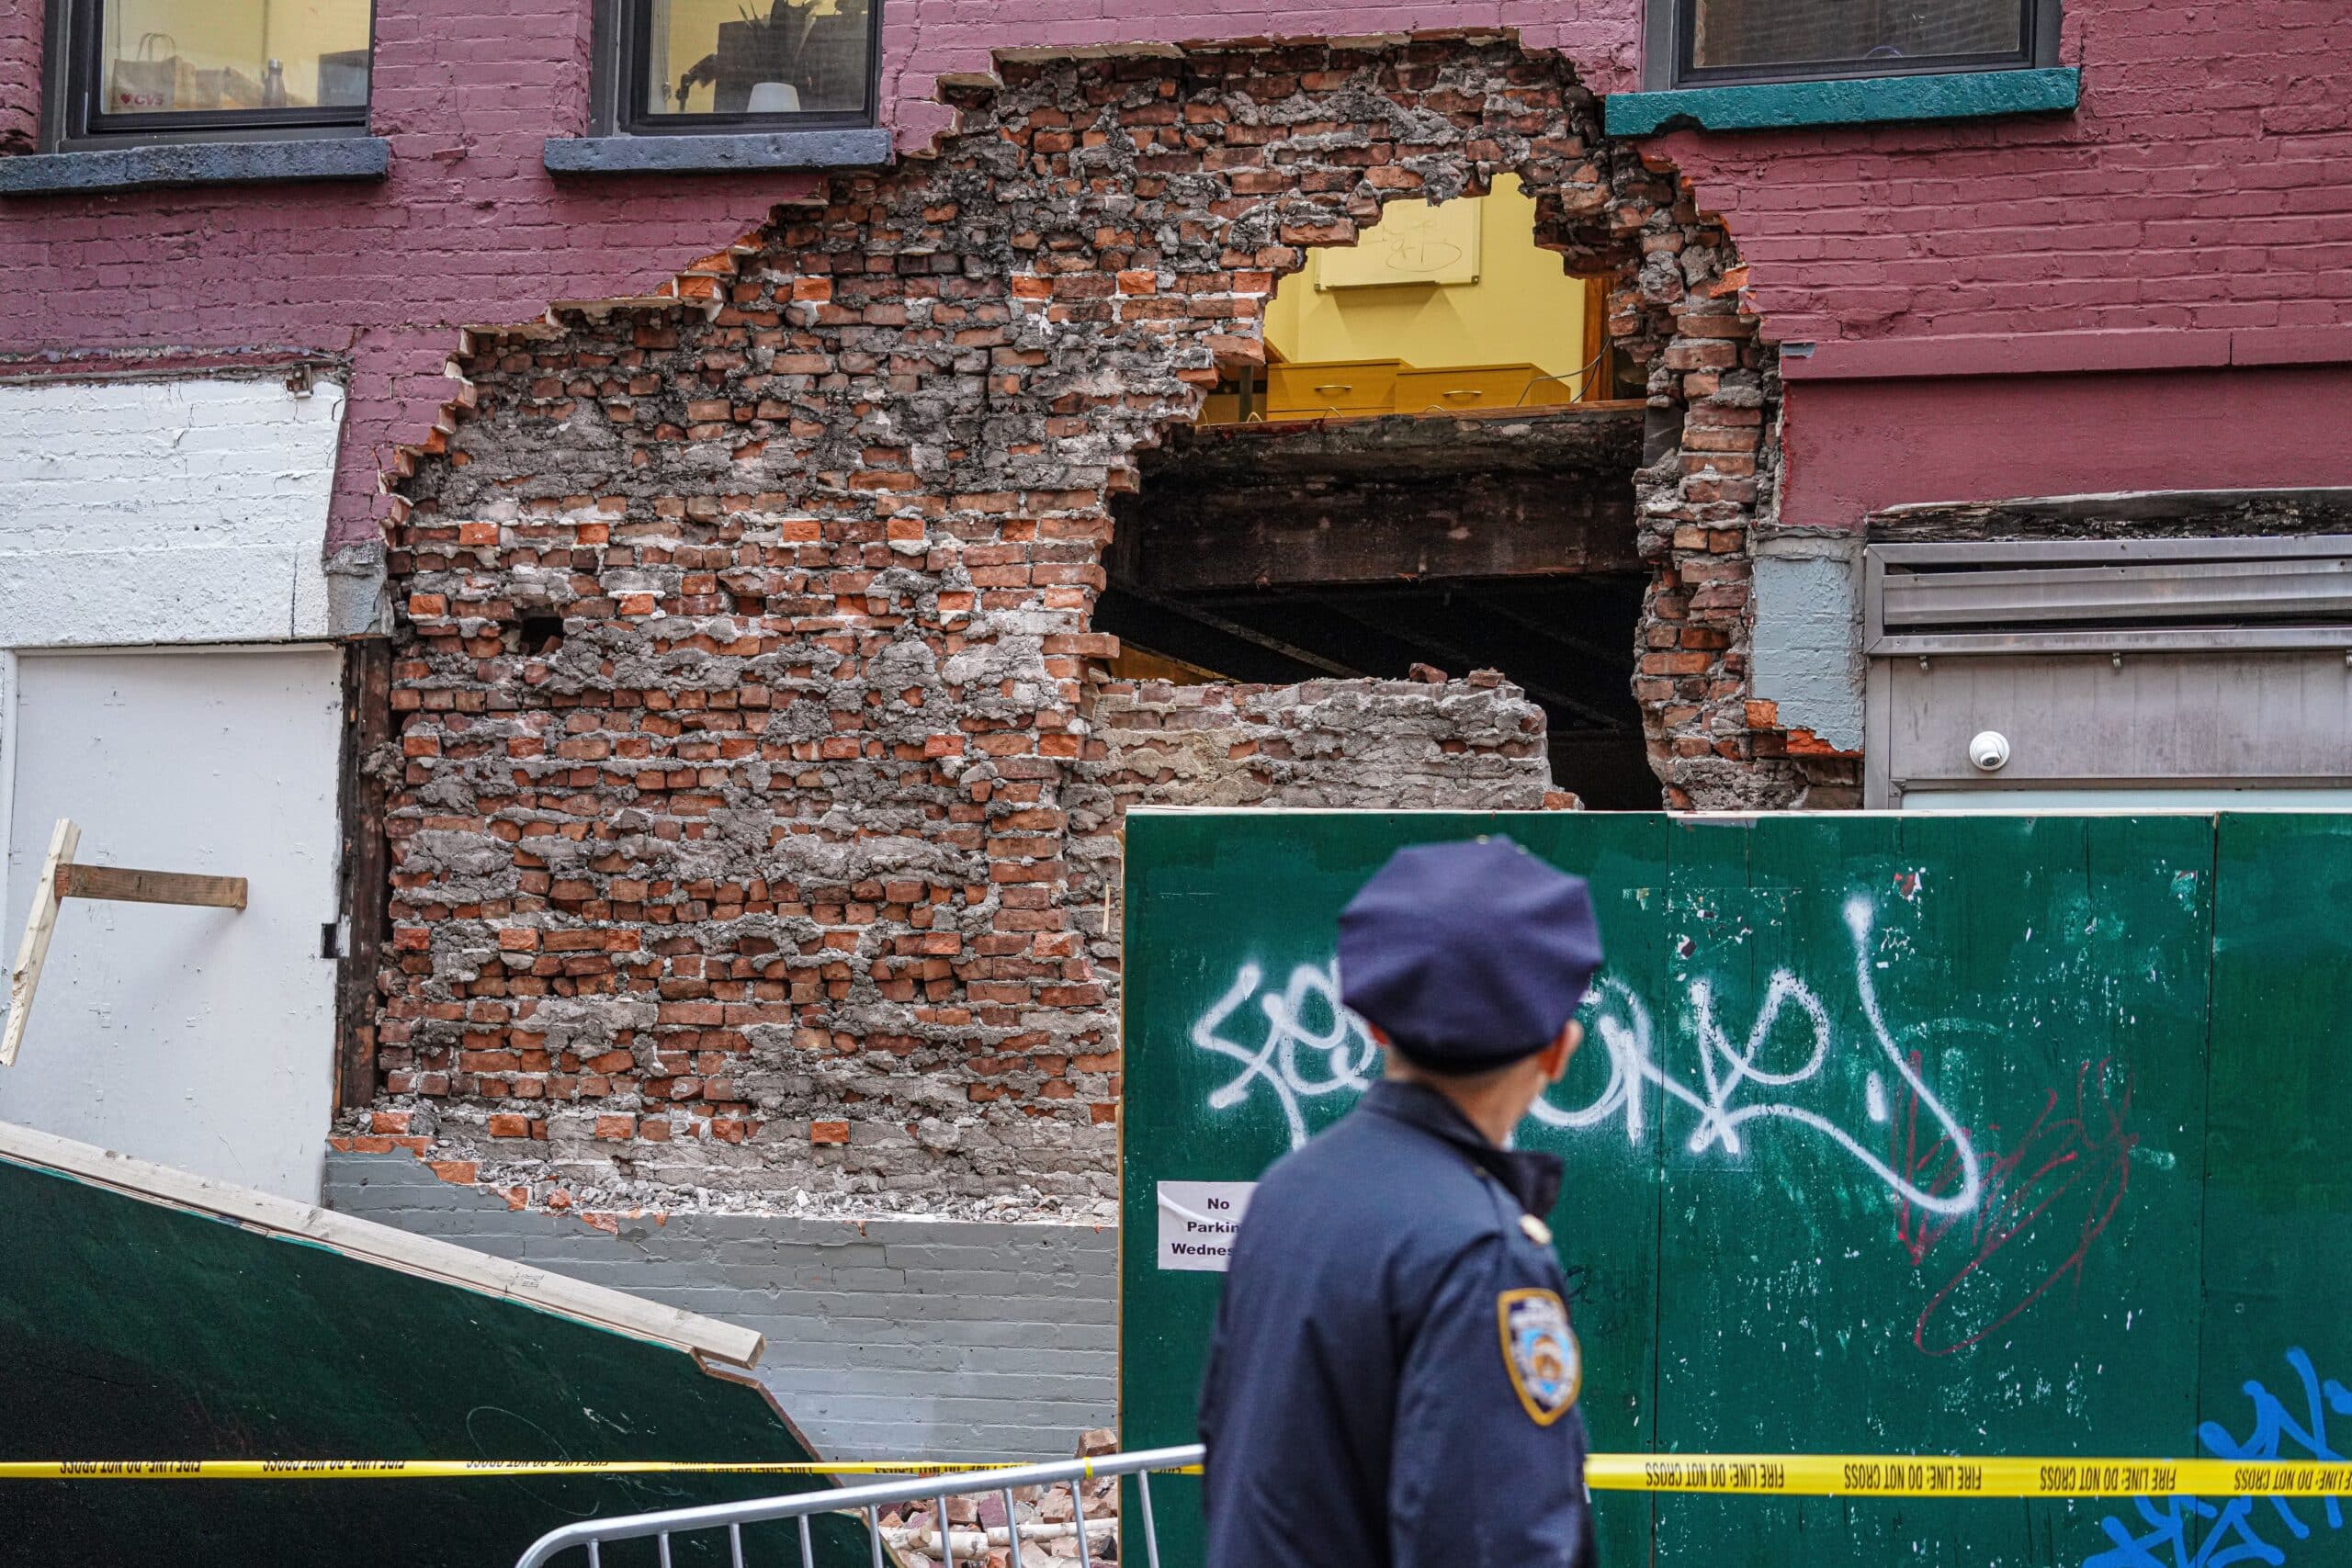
(1524, 309)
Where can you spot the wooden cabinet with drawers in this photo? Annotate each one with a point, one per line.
(1478, 387)
(1335, 387)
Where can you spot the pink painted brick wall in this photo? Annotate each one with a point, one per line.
(1853, 448)
(2196, 188)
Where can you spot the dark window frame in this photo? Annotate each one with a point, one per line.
(72, 71)
(623, 54)
(1669, 35)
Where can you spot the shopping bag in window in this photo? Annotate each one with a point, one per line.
(153, 83)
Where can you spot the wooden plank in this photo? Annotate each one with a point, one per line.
(367, 869)
(2277, 1189)
(1523, 493)
(1302, 527)
(39, 921)
(1599, 383)
(122, 884)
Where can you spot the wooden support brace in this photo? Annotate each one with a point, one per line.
(124, 886)
(61, 879)
(38, 924)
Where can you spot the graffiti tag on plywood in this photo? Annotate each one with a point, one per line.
(2049, 1195)
(2189, 1532)
(1309, 1046)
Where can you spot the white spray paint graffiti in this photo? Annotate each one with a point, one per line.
(1347, 1052)
(1312, 1047)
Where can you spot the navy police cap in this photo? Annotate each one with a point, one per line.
(1470, 955)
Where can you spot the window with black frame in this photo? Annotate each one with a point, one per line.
(174, 70)
(716, 65)
(1730, 41)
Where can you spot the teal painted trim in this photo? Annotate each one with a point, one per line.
(1861, 100)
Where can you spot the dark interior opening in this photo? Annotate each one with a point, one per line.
(1276, 553)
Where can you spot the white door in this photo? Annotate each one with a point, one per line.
(198, 1038)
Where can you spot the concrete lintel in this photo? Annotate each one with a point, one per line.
(2123, 514)
(2095, 351)
(783, 150)
(1807, 543)
(1578, 438)
(197, 163)
(1861, 100)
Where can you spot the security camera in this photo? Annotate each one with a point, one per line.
(1989, 750)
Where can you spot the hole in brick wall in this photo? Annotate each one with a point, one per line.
(1427, 475)
(542, 635)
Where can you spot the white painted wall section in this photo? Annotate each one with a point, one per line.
(139, 511)
(1808, 657)
(198, 1038)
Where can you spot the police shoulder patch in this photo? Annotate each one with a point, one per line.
(1540, 1352)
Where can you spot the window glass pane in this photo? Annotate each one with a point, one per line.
(1799, 32)
(177, 56)
(754, 57)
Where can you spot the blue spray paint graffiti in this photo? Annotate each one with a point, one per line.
(2188, 1532)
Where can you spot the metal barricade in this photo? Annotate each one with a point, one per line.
(594, 1534)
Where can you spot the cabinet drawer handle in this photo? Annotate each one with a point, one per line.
(1464, 392)
(1337, 387)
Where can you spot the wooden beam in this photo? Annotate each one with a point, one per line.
(367, 868)
(34, 951)
(121, 884)
(1383, 501)
(1599, 377)
(1201, 616)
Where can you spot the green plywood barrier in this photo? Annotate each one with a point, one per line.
(129, 1329)
(1961, 1134)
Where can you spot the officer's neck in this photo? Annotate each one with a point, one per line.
(1492, 1101)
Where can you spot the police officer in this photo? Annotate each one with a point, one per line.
(1393, 1380)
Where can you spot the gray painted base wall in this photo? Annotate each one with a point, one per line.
(886, 1338)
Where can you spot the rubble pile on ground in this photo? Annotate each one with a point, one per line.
(1045, 1518)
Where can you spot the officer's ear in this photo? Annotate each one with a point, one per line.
(1554, 1057)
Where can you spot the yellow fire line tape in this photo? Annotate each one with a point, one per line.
(1919, 1475)
(438, 1469)
(1787, 1475)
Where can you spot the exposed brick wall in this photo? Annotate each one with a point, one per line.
(1377, 745)
(1469, 745)
(759, 871)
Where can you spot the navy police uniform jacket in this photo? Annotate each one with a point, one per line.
(1393, 1380)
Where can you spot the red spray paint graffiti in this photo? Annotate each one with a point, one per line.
(2049, 1196)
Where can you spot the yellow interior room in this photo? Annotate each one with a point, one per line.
(1372, 329)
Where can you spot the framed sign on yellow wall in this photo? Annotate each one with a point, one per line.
(1413, 243)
